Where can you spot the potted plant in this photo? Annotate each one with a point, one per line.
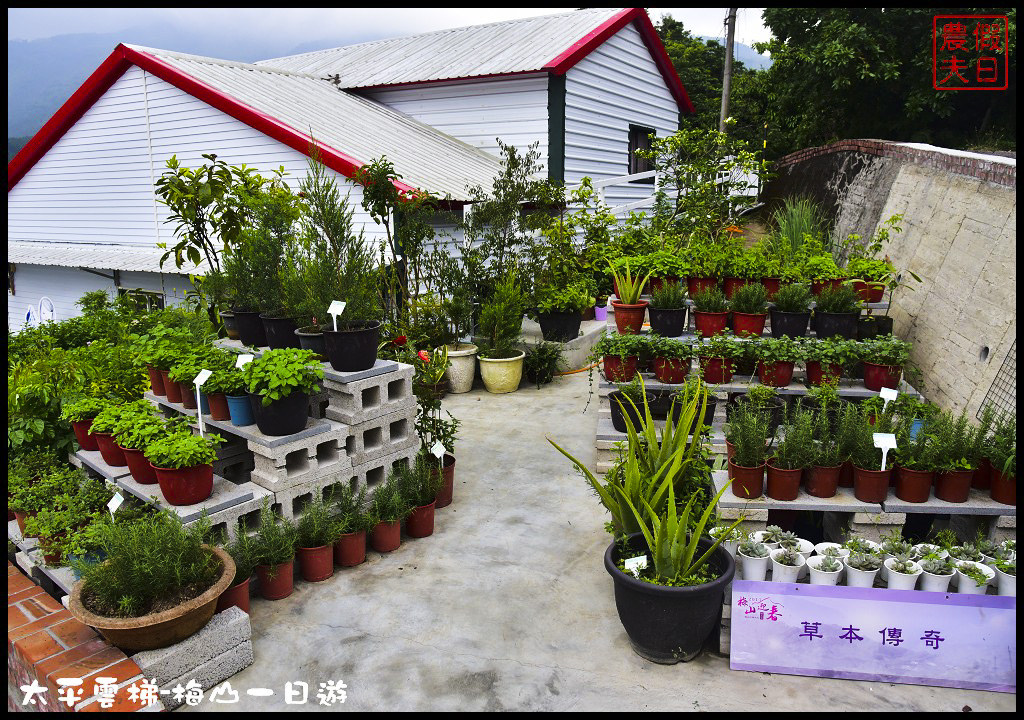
(869, 277)
(916, 459)
(777, 357)
(133, 434)
(704, 263)
(771, 536)
(954, 463)
(353, 345)
(791, 311)
(836, 311)
(861, 569)
(184, 465)
(786, 565)
(619, 355)
(903, 573)
(275, 554)
(753, 560)
(870, 482)
(883, 359)
(693, 387)
(80, 414)
(104, 424)
(315, 535)
(825, 359)
(387, 508)
(279, 384)
(717, 358)
(158, 349)
(825, 404)
(861, 545)
(157, 584)
(627, 401)
(667, 310)
(501, 319)
(749, 307)
(730, 536)
(560, 310)
(973, 577)
(825, 569)
(794, 453)
(710, 312)
(823, 476)
(243, 552)
(352, 523)
(419, 487)
(765, 400)
(629, 308)
(671, 359)
(223, 383)
(748, 433)
(1003, 454)
(936, 572)
(665, 267)
(32, 481)
(1006, 574)
(822, 271)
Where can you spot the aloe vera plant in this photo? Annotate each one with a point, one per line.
(629, 286)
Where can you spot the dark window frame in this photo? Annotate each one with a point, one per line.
(639, 138)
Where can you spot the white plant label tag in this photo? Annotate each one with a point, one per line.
(337, 308)
(243, 360)
(885, 441)
(202, 377)
(635, 564)
(114, 503)
(437, 450)
(888, 395)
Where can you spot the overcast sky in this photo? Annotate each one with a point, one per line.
(307, 24)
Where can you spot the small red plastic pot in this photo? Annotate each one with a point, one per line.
(620, 370)
(237, 596)
(776, 374)
(869, 292)
(350, 549)
(21, 518)
(276, 581)
(732, 284)
(697, 285)
(729, 450)
(420, 522)
(953, 486)
(185, 486)
(771, 285)
(188, 396)
(982, 479)
(747, 483)
(846, 474)
(877, 377)
(171, 388)
(671, 371)
(386, 536)
(818, 285)
(823, 482)
(85, 440)
(1004, 488)
(818, 373)
(914, 485)
(748, 324)
(218, 406)
(871, 485)
(109, 450)
(629, 319)
(156, 380)
(783, 484)
(141, 468)
(716, 370)
(316, 564)
(444, 495)
(709, 324)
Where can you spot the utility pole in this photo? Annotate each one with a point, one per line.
(730, 23)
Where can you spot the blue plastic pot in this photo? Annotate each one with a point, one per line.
(915, 426)
(204, 403)
(240, 410)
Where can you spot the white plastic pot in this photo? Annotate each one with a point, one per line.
(753, 568)
(785, 573)
(935, 583)
(461, 371)
(820, 577)
(928, 548)
(902, 581)
(860, 578)
(729, 545)
(1007, 583)
(821, 547)
(967, 586)
(806, 550)
(758, 537)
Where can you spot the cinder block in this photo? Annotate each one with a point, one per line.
(373, 473)
(302, 462)
(359, 401)
(333, 431)
(212, 672)
(225, 631)
(381, 437)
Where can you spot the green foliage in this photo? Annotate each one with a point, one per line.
(820, 267)
(137, 432)
(278, 373)
(501, 319)
(831, 351)
(937, 566)
(885, 350)
(244, 551)
(973, 572)
(229, 380)
(761, 396)
(203, 357)
(1002, 445)
(670, 296)
(751, 298)
(108, 419)
(843, 299)
(84, 408)
(748, 432)
(753, 549)
(864, 561)
(710, 300)
(620, 346)
(388, 505)
(796, 449)
(830, 565)
(350, 510)
(670, 348)
(418, 483)
(953, 439)
(571, 298)
(783, 349)
(797, 219)
(723, 347)
(630, 286)
(275, 538)
(543, 362)
(793, 298)
(316, 526)
(182, 449)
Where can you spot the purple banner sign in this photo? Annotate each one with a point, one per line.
(899, 636)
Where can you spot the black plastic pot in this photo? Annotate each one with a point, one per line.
(776, 411)
(709, 413)
(280, 332)
(669, 624)
(250, 329)
(286, 416)
(789, 323)
(230, 324)
(871, 325)
(352, 350)
(636, 417)
(560, 326)
(833, 324)
(310, 338)
(667, 322)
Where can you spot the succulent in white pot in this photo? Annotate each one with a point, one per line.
(790, 541)
(973, 577)
(753, 559)
(936, 572)
(825, 569)
(861, 569)
(923, 550)
(1006, 577)
(861, 545)
(993, 554)
(786, 565)
(730, 539)
(822, 547)
(769, 537)
(903, 572)
(893, 546)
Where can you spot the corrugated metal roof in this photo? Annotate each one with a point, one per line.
(99, 257)
(361, 128)
(513, 46)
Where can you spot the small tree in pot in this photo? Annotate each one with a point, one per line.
(419, 486)
(794, 453)
(275, 553)
(749, 307)
(668, 309)
(710, 312)
(352, 523)
(316, 533)
(387, 509)
(501, 321)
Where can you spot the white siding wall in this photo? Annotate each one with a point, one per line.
(514, 109)
(615, 86)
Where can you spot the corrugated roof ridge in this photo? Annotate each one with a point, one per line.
(158, 52)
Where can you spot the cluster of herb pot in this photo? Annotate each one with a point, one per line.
(278, 373)
(182, 449)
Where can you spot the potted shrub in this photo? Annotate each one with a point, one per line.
(916, 459)
(822, 271)
(419, 487)
(133, 435)
(883, 359)
(823, 476)
(1003, 454)
(748, 433)
(560, 310)
(869, 277)
(279, 384)
(671, 359)
(826, 358)
(791, 311)
(794, 453)
(104, 424)
(870, 482)
(244, 552)
(717, 358)
(353, 346)
(184, 465)
(825, 569)
(836, 311)
(786, 565)
(628, 401)
(352, 522)
(753, 560)
(667, 310)
(80, 414)
(749, 307)
(619, 355)
(903, 573)
(765, 400)
(825, 404)
(777, 357)
(387, 508)
(710, 312)
(973, 577)
(936, 572)
(157, 585)
(275, 554)
(315, 536)
(501, 319)
(1006, 574)
(954, 463)
(861, 569)
(629, 308)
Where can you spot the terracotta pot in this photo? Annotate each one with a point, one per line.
(818, 285)
(732, 284)
(823, 482)
(185, 486)
(748, 324)
(818, 374)
(219, 406)
(188, 396)
(316, 564)
(729, 452)
(871, 485)
(444, 495)
(276, 581)
(697, 285)
(846, 475)
(671, 371)
(772, 285)
(709, 324)
(716, 371)
(620, 370)
(51, 555)
(982, 479)
(777, 374)
(420, 522)
(235, 596)
(109, 449)
(158, 630)
(350, 549)
(1004, 488)
(141, 468)
(21, 517)
(869, 292)
(914, 485)
(85, 440)
(877, 377)
(783, 484)
(629, 319)
(747, 483)
(953, 486)
(386, 536)
(156, 380)
(171, 388)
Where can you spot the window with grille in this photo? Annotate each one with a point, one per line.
(640, 139)
(143, 299)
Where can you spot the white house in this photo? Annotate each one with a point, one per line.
(587, 86)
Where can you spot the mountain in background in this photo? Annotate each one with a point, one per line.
(747, 55)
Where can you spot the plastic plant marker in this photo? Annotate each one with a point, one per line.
(114, 503)
(437, 450)
(887, 395)
(635, 564)
(202, 377)
(337, 308)
(243, 360)
(886, 442)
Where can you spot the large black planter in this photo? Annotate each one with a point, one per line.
(667, 322)
(636, 417)
(870, 326)
(836, 324)
(230, 324)
(250, 329)
(669, 624)
(560, 326)
(776, 411)
(311, 338)
(352, 350)
(280, 332)
(709, 413)
(789, 323)
(286, 416)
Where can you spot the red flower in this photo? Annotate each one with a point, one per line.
(424, 356)
(400, 340)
